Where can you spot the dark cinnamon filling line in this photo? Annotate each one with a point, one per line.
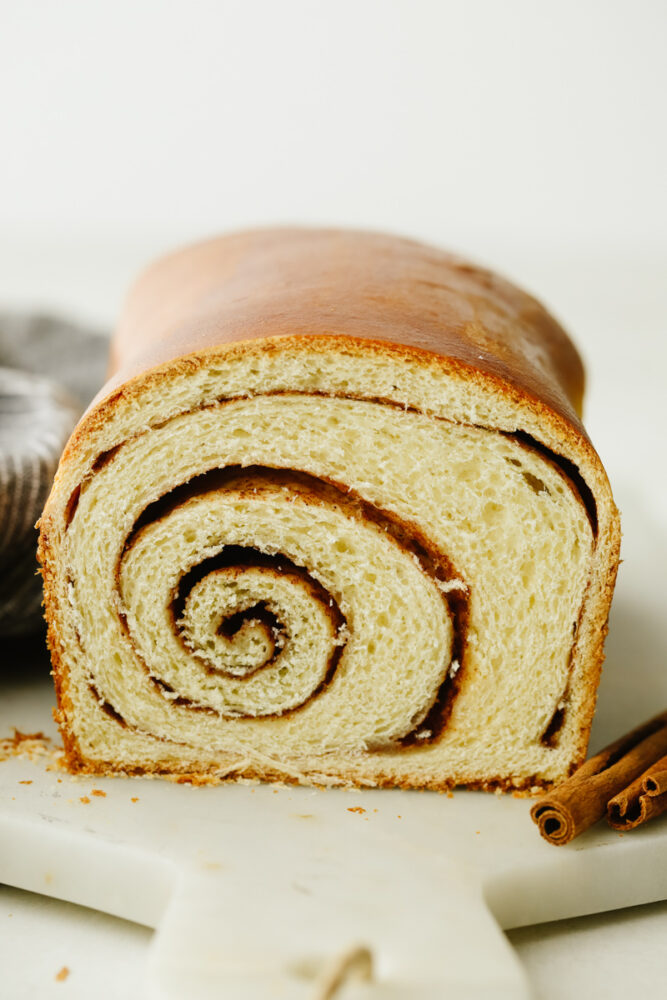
(105, 457)
(241, 558)
(72, 504)
(549, 737)
(106, 706)
(578, 484)
(259, 613)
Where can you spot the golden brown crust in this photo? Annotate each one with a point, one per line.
(360, 285)
(532, 785)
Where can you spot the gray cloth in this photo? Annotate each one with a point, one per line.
(49, 371)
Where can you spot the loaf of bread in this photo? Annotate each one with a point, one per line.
(333, 519)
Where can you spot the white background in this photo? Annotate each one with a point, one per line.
(497, 128)
(476, 122)
(528, 135)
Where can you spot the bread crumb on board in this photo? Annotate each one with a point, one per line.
(31, 746)
(62, 975)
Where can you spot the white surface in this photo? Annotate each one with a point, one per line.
(616, 955)
(253, 889)
(613, 955)
(40, 936)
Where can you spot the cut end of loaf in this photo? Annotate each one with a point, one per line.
(330, 562)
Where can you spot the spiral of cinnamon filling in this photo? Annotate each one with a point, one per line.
(313, 591)
(244, 631)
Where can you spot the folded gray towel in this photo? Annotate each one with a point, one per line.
(50, 369)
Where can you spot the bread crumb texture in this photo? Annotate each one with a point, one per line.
(340, 566)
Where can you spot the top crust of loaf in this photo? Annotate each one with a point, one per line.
(363, 286)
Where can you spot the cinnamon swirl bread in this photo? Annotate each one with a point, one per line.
(335, 519)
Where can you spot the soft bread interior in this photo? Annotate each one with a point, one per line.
(385, 517)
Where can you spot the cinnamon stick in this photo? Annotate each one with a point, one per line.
(642, 800)
(582, 800)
